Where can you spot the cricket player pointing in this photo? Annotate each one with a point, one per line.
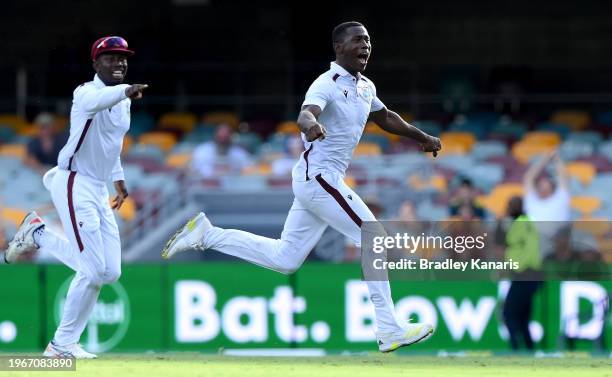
(334, 113)
(99, 118)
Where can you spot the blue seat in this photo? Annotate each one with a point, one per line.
(573, 149)
(485, 149)
(561, 129)
(591, 137)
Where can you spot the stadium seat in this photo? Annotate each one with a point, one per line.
(222, 117)
(591, 137)
(576, 120)
(244, 183)
(287, 128)
(583, 171)
(497, 200)
(14, 121)
(128, 141)
(558, 128)
(259, 169)
(436, 182)
(28, 131)
(524, 152)
(200, 134)
(183, 122)
(178, 160)
(542, 137)
(429, 212)
(485, 176)
(7, 134)
(165, 141)
(487, 149)
(458, 138)
(367, 149)
(456, 163)
(572, 149)
(147, 151)
(14, 215)
(382, 141)
(597, 226)
(585, 204)
(372, 128)
(605, 149)
(248, 140)
(15, 150)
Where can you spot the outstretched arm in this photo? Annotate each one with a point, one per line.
(535, 170)
(562, 175)
(93, 100)
(308, 124)
(391, 122)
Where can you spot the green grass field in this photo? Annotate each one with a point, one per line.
(193, 365)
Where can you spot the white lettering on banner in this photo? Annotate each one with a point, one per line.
(466, 317)
(283, 304)
(196, 319)
(571, 293)
(359, 315)
(256, 328)
(422, 307)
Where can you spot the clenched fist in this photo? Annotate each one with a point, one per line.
(316, 132)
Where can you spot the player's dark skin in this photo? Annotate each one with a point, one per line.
(352, 54)
(112, 68)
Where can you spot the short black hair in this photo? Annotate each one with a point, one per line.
(340, 30)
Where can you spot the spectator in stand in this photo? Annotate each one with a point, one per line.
(220, 157)
(45, 147)
(466, 195)
(293, 149)
(547, 203)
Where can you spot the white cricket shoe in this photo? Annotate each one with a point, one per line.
(23, 241)
(72, 351)
(410, 334)
(188, 237)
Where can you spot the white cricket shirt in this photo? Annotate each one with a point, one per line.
(99, 118)
(346, 102)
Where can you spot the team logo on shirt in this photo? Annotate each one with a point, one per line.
(365, 92)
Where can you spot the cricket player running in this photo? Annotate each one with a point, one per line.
(333, 116)
(99, 118)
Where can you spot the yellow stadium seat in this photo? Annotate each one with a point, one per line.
(15, 150)
(29, 130)
(14, 121)
(128, 209)
(372, 128)
(576, 120)
(165, 141)
(184, 122)
(222, 117)
(450, 147)
(436, 181)
(367, 149)
(350, 181)
(14, 215)
(259, 169)
(523, 152)
(128, 141)
(583, 171)
(288, 128)
(465, 138)
(497, 200)
(586, 204)
(542, 137)
(178, 160)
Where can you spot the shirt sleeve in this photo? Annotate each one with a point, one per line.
(117, 172)
(319, 93)
(377, 104)
(92, 100)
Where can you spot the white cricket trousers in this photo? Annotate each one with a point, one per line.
(320, 201)
(92, 248)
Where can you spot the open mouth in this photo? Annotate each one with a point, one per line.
(363, 58)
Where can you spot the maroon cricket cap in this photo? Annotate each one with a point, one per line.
(110, 44)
